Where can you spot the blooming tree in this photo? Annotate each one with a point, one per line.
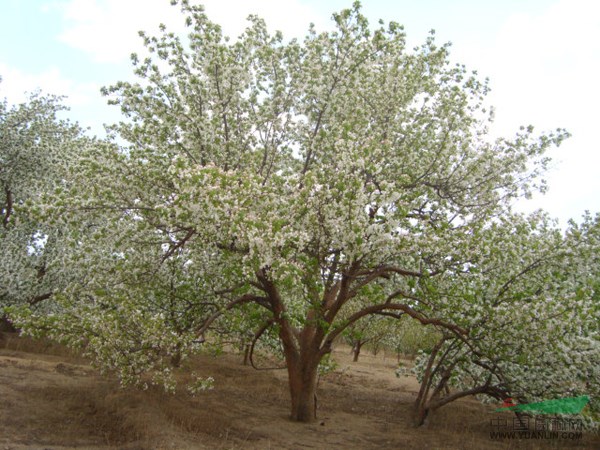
(370, 331)
(409, 338)
(36, 149)
(392, 331)
(532, 310)
(308, 184)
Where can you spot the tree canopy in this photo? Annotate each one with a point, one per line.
(296, 186)
(36, 150)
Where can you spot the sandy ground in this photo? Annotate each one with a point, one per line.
(52, 400)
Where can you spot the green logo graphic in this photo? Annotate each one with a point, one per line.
(569, 405)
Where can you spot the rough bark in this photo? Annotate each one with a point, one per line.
(420, 415)
(303, 389)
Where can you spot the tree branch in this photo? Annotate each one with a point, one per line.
(9, 207)
(484, 389)
(39, 298)
(246, 298)
(269, 323)
(394, 307)
(178, 245)
(387, 270)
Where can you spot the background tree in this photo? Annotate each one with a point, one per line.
(532, 316)
(36, 149)
(394, 332)
(371, 330)
(340, 173)
(409, 338)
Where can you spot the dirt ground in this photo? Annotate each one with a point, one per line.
(52, 400)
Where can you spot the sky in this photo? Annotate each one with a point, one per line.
(542, 58)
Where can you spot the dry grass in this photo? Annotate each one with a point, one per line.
(53, 400)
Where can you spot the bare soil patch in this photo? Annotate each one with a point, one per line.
(51, 399)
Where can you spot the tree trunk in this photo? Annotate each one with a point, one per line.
(420, 415)
(303, 388)
(176, 359)
(421, 409)
(356, 350)
(246, 354)
(302, 350)
(6, 325)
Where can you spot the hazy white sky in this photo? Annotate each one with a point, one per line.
(542, 57)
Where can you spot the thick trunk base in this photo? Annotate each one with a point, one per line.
(420, 417)
(304, 405)
(305, 412)
(303, 390)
